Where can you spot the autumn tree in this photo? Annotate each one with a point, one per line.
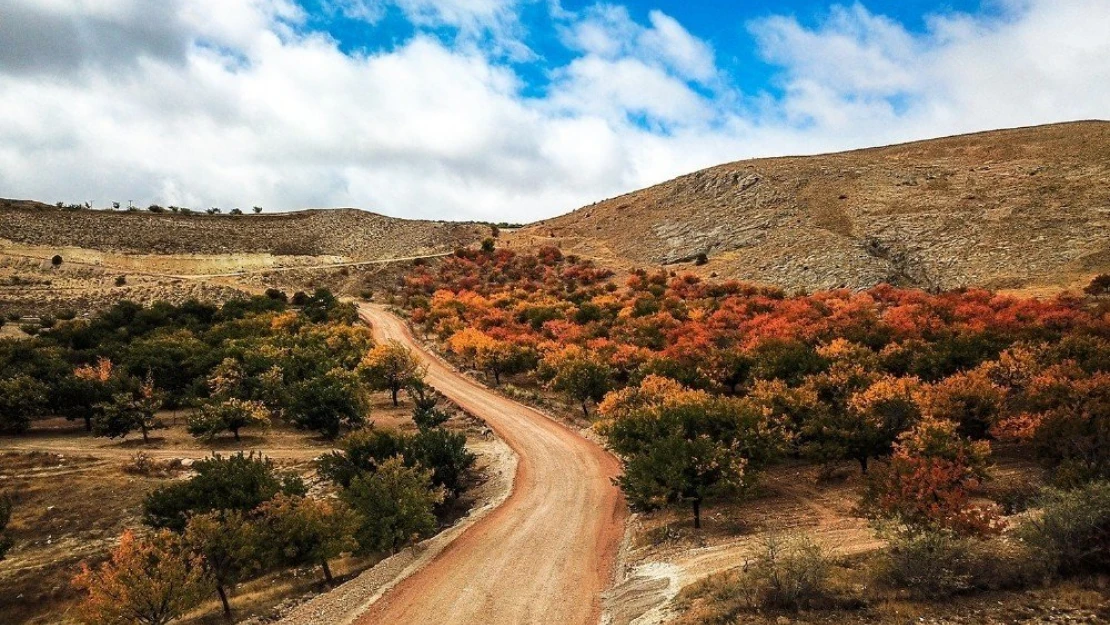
(230, 415)
(931, 479)
(130, 411)
(391, 367)
(396, 504)
(1071, 431)
(305, 530)
(582, 376)
(231, 546)
(147, 581)
(485, 353)
(970, 399)
(239, 482)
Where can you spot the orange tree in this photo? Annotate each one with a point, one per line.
(931, 479)
(148, 581)
(391, 367)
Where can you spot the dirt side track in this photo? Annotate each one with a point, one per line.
(547, 553)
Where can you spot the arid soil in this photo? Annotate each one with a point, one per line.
(1012, 209)
(543, 556)
(354, 234)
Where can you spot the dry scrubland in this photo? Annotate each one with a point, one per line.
(1012, 209)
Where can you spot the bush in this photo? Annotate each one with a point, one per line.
(1072, 532)
(933, 564)
(937, 564)
(121, 280)
(789, 574)
(702, 259)
(1099, 286)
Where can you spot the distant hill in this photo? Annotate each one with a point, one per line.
(1016, 209)
(349, 233)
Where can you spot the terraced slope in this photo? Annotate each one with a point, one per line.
(1007, 209)
(347, 233)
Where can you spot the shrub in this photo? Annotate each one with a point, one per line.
(121, 280)
(1100, 285)
(56, 261)
(1072, 531)
(789, 574)
(937, 564)
(931, 564)
(702, 259)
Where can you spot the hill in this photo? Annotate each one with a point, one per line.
(348, 233)
(1010, 209)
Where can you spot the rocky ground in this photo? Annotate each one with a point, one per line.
(1008, 209)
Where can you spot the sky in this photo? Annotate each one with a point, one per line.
(503, 110)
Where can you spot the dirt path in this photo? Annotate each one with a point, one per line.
(547, 553)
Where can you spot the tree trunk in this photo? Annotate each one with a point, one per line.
(863, 464)
(496, 378)
(585, 409)
(146, 439)
(88, 423)
(235, 432)
(395, 390)
(697, 513)
(223, 600)
(327, 572)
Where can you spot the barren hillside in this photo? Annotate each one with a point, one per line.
(1007, 209)
(346, 233)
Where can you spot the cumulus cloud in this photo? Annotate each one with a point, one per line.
(237, 102)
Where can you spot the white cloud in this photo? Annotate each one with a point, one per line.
(232, 103)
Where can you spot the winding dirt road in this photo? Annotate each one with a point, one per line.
(547, 553)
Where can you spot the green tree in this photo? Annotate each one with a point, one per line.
(396, 503)
(444, 453)
(230, 415)
(231, 545)
(689, 447)
(308, 531)
(21, 398)
(327, 403)
(239, 482)
(425, 414)
(149, 581)
(366, 451)
(580, 375)
(391, 367)
(127, 412)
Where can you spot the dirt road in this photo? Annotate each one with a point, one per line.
(547, 553)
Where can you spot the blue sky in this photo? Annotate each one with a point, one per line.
(504, 109)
